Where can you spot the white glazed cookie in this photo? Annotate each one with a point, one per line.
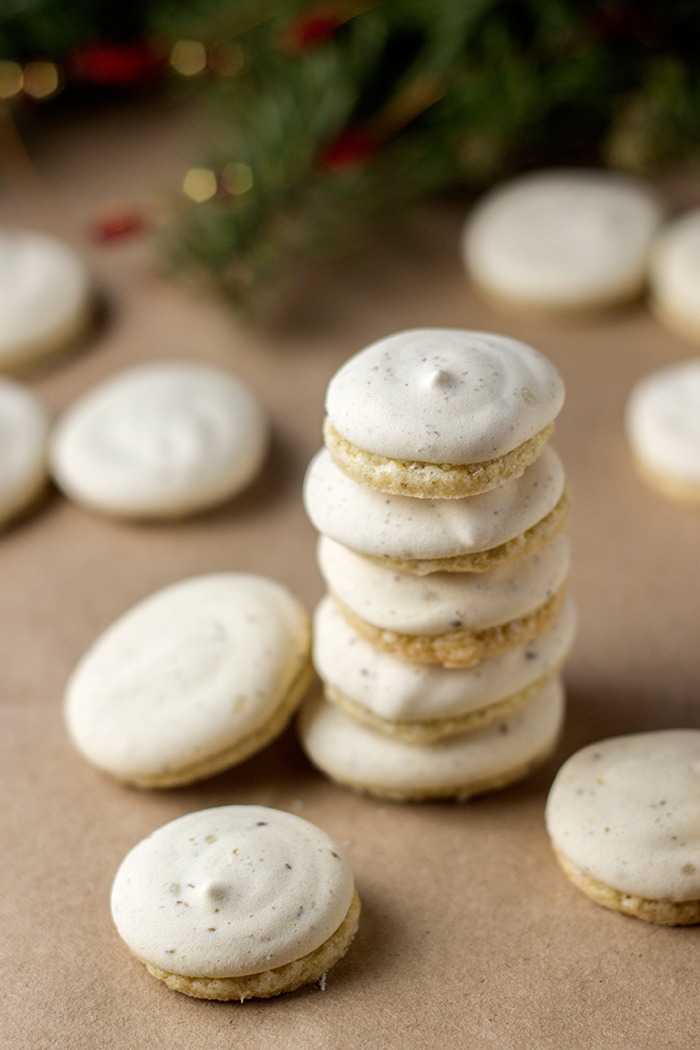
(674, 275)
(562, 240)
(420, 703)
(236, 902)
(192, 680)
(161, 440)
(663, 428)
(475, 534)
(24, 427)
(441, 413)
(624, 819)
(457, 767)
(44, 298)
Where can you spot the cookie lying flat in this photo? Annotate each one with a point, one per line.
(451, 618)
(458, 767)
(24, 428)
(161, 440)
(624, 819)
(236, 902)
(420, 703)
(674, 275)
(663, 428)
(562, 240)
(476, 534)
(440, 413)
(194, 679)
(44, 298)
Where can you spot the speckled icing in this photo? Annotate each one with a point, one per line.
(663, 421)
(231, 891)
(43, 289)
(380, 525)
(562, 239)
(186, 674)
(397, 689)
(24, 427)
(674, 270)
(627, 812)
(442, 395)
(443, 601)
(354, 754)
(165, 438)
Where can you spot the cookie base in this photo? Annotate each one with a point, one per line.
(678, 489)
(430, 480)
(661, 912)
(311, 967)
(29, 358)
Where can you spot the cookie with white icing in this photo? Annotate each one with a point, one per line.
(24, 428)
(624, 819)
(45, 298)
(562, 240)
(440, 413)
(420, 703)
(236, 902)
(454, 767)
(455, 619)
(474, 534)
(161, 440)
(674, 275)
(663, 428)
(191, 681)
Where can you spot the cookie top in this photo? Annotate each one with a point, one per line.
(443, 395)
(663, 421)
(562, 239)
(231, 891)
(674, 273)
(442, 602)
(44, 287)
(380, 525)
(24, 427)
(162, 439)
(186, 674)
(397, 689)
(627, 812)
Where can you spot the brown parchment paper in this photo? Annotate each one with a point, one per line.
(470, 935)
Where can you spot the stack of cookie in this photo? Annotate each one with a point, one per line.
(441, 510)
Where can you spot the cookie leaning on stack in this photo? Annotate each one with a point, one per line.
(441, 512)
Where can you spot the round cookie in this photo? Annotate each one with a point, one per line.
(194, 679)
(45, 300)
(562, 240)
(236, 902)
(663, 428)
(450, 618)
(421, 703)
(440, 413)
(161, 440)
(456, 767)
(24, 427)
(624, 819)
(475, 534)
(674, 275)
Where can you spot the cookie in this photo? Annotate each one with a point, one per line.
(674, 275)
(236, 902)
(24, 428)
(450, 618)
(562, 240)
(440, 413)
(475, 534)
(623, 816)
(194, 679)
(455, 767)
(161, 440)
(663, 428)
(45, 298)
(420, 703)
